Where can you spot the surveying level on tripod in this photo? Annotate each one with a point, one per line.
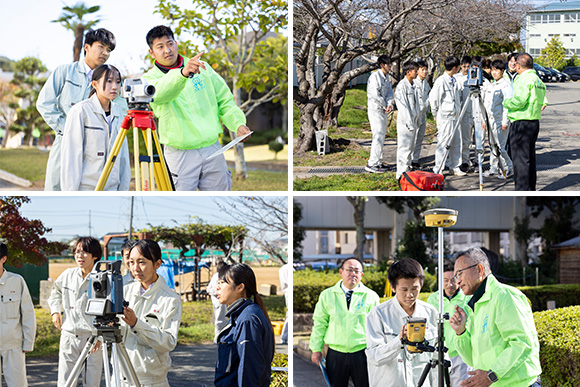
(151, 172)
(474, 76)
(106, 290)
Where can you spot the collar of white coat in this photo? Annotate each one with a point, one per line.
(153, 288)
(98, 108)
(3, 277)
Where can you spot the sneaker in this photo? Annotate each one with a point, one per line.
(375, 169)
(415, 166)
(464, 167)
(489, 173)
(458, 172)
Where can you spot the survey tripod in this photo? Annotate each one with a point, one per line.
(476, 102)
(152, 167)
(109, 330)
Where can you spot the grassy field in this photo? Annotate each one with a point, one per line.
(196, 326)
(30, 164)
(349, 182)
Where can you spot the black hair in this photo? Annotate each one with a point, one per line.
(158, 32)
(128, 245)
(513, 55)
(148, 249)
(477, 59)
(486, 63)
(498, 64)
(348, 259)
(526, 61)
(240, 273)
(89, 245)
(422, 63)
(451, 62)
(449, 266)
(102, 36)
(406, 268)
(384, 60)
(409, 66)
(466, 59)
(3, 250)
(106, 71)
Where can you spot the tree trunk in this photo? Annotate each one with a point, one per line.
(78, 45)
(306, 137)
(359, 202)
(240, 161)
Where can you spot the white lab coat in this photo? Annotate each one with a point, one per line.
(149, 342)
(87, 142)
(219, 310)
(388, 361)
(408, 113)
(422, 89)
(17, 328)
(69, 296)
(493, 96)
(380, 95)
(445, 101)
(466, 125)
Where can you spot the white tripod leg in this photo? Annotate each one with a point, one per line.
(478, 136)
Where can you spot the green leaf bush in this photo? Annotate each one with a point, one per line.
(279, 378)
(559, 336)
(564, 295)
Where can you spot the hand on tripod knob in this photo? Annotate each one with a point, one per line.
(193, 66)
(129, 316)
(403, 333)
(458, 320)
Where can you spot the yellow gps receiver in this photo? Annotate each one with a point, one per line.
(440, 217)
(415, 332)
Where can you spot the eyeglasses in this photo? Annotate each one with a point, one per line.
(459, 273)
(353, 271)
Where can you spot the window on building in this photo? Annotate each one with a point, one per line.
(323, 242)
(535, 52)
(571, 18)
(554, 18)
(346, 238)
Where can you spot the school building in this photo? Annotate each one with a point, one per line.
(560, 20)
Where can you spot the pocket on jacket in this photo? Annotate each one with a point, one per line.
(95, 142)
(225, 357)
(12, 309)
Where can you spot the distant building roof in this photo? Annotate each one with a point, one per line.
(560, 6)
(574, 242)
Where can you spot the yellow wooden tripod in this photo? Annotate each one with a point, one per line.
(151, 174)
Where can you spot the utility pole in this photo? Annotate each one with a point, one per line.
(90, 227)
(131, 219)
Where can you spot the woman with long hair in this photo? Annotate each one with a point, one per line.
(246, 343)
(90, 132)
(151, 321)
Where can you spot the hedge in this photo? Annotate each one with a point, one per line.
(559, 336)
(308, 284)
(280, 378)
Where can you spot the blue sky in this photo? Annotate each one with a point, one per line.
(68, 216)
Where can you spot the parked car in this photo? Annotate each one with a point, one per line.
(573, 72)
(560, 77)
(544, 74)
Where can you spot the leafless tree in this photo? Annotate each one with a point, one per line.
(333, 33)
(359, 203)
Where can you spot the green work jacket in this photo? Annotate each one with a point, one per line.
(460, 300)
(190, 109)
(501, 336)
(529, 97)
(342, 328)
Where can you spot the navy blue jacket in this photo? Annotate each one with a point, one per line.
(245, 348)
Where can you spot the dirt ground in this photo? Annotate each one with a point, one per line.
(264, 275)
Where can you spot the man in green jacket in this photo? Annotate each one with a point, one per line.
(452, 296)
(524, 112)
(496, 334)
(191, 101)
(340, 321)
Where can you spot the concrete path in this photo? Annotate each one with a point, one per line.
(192, 366)
(557, 150)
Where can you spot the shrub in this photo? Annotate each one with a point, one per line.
(559, 334)
(564, 295)
(279, 378)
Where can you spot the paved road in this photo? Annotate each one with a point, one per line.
(557, 149)
(192, 366)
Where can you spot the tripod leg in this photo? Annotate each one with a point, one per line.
(425, 373)
(164, 171)
(111, 160)
(136, 159)
(447, 377)
(149, 142)
(75, 372)
(130, 371)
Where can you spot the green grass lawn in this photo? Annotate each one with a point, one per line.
(196, 326)
(349, 182)
(30, 164)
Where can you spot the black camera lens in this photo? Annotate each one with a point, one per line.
(97, 286)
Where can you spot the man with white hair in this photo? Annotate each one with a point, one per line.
(499, 339)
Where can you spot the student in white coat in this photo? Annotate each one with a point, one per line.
(422, 89)
(493, 96)
(445, 100)
(380, 104)
(90, 131)
(151, 321)
(466, 125)
(219, 310)
(18, 327)
(125, 250)
(68, 302)
(388, 359)
(408, 111)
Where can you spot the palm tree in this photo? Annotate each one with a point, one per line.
(72, 19)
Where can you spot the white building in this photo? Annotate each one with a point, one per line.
(560, 20)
